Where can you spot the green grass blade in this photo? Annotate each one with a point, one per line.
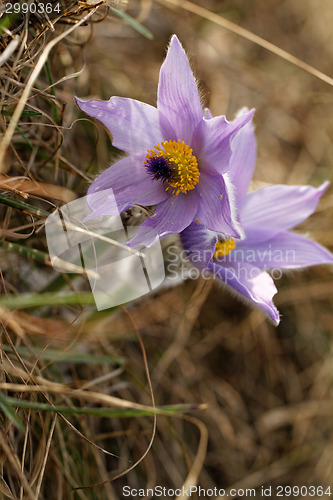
(25, 112)
(52, 90)
(71, 357)
(30, 253)
(37, 255)
(7, 21)
(7, 408)
(100, 412)
(25, 301)
(133, 23)
(24, 207)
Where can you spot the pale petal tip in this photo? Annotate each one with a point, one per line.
(274, 316)
(175, 46)
(323, 187)
(248, 112)
(82, 103)
(236, 231)
(78, 100)
(207, 114)
(175, 40)
(243, 116)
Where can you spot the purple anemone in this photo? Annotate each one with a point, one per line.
(177, 159)
(266, 216)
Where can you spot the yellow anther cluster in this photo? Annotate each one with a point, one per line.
(224, 248)
(185, 171)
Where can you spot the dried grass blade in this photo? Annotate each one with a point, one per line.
(42, 189)
(38, 68)
(248, 35)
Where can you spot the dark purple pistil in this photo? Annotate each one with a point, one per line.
(159, 168)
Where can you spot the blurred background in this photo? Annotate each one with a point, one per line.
(246, 404)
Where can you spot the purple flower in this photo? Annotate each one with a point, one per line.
(177, 159)
(266, 216)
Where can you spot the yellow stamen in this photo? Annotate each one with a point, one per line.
(224, 248)
(185, 171)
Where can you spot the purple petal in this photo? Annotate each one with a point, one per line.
(171, 216)
(243, 159)
(177, 96)
(134, 125)
(286, 250)
(216, 208)
(130, 182)
(211, 141)
(198, 242)
(104, 203)
(270, 210)
(207, 114)
(251, 283)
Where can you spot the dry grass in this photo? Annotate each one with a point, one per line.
(239, 402)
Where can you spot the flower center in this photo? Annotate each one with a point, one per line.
(224, 248)
(173, 162)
